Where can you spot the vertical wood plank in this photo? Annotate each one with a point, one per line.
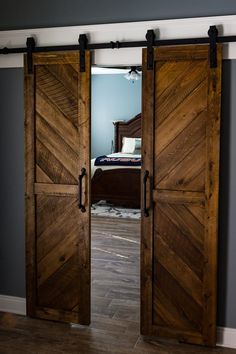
(147, 222)
(29, 128)
(212, 200)
(84, 143)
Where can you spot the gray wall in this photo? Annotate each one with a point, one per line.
(45, 13)
(12, 272)
(12, 267)
(227, 235)
(113, 98)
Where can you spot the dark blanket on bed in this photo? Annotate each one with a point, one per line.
(117, 161)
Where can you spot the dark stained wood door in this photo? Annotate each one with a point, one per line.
(57, 147)
(181, 131)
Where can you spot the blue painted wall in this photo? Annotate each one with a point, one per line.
(113, 98)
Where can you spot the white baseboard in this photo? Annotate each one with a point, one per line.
(226, 337)
(13, 304)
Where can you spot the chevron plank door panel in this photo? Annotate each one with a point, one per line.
(57, 141)
(181, 124)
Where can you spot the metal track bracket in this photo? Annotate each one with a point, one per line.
(150, 37)
(30, 43)
(83, 41)
(213, 33)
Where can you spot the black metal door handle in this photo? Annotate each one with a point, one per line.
(80, 205)
(145, 209)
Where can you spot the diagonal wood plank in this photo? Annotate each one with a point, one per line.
(58, 121)
(57, 146)
(62, 226)
(186, 222)
(57, 93)
(67, 75)
(62, 234)
(180, 148)
(50, 205)
(55, 170)
(181, 117)
(182, 87)
(169, 72)
(189, 174)
(166, 311)
(54, 259)
(181, 244)
(50, 294)
(178, 269)
(172, 290)
(41, 176)
(198, 211)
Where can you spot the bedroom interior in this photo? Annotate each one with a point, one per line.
(137, 271)
(115, 115)
(115, 197)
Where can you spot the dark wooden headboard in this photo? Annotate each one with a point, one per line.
(129, 129)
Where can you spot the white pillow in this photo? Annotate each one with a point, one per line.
(138, 143)
(131, 145)
(128, 145)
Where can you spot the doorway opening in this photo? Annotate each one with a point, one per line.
(115, 199)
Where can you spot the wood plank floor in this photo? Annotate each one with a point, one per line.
(115, 306)
(115, 271)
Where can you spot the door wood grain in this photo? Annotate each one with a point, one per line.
(57, 147)
(181, 139)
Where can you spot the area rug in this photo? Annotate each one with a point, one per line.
(108, 210)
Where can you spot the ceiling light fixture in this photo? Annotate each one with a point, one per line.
(133, 74)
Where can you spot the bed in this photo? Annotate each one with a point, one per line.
(119, 185)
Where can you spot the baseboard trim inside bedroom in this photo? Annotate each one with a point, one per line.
(226, 337)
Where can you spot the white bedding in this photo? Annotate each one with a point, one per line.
(117, 154)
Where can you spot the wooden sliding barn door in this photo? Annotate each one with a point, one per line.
(57, 154)
(181, 131)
